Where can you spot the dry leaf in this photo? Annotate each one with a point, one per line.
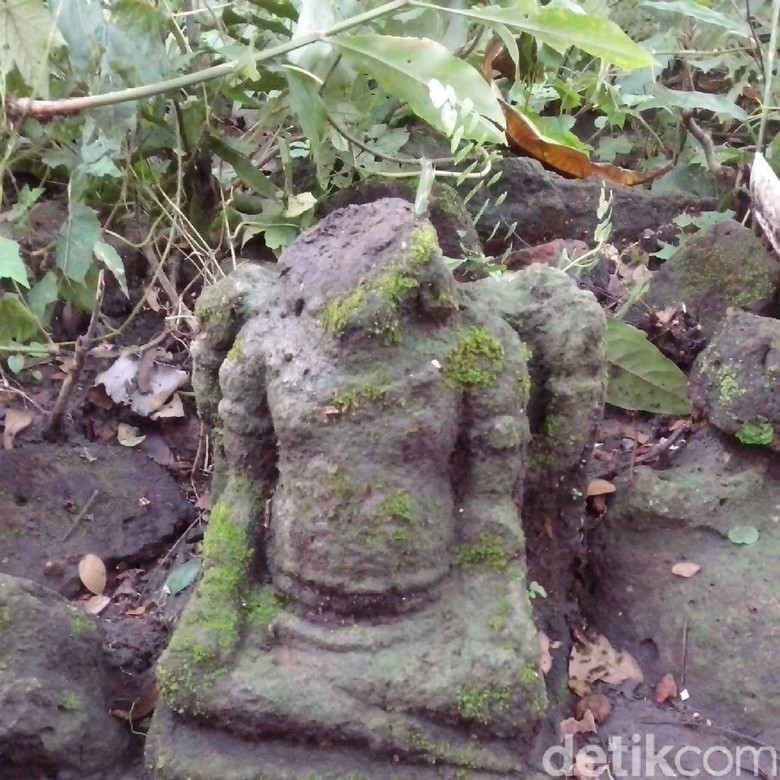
(204, 501)
(545, 657)
(139, 611)
(666, 689)
(596, 660)
(523, 136)
(92, 572)
(95, 604)
(600, 487)
(174, 408)
(141, 708)
(686, 568)
(571, 726)
(16, 420)
(127, 435)
(597, 704)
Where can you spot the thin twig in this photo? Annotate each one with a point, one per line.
(664, 445)
(81, 515)
(83, 346)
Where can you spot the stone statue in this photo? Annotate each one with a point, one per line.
(363, 610)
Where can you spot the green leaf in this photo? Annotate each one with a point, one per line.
(663, 97)
(743, 534)
(43, 296)
(641, 378)
(15, 363)
(405, 67)
(562, 28)
(308, 105)
(76, 241)
(183, 576)
(11, 264)
(694, 10)
(245, 170)
(17, 322)
(25, 38)
(111, 260)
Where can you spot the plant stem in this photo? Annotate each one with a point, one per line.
(46, 108)
(768, 69)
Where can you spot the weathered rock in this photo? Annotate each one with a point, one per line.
(736, 379)
(455, 231)
(564, 328)
(719, 628)
(53, 713)
(138, 507)
(364, 580)
(721, 267)
(544, 206)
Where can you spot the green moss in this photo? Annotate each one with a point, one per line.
(336, 314)
(236, 353)
(728, 386)
(399, 506)
(475, 361)
(264, 605)
(760, 433)
(477, 704)
(488, 551)
(372, 392)
(81, 624)
(500, 617)
(211, 627)
(71, 702)
(384, 295)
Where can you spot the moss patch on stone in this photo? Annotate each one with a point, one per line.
(210, 628)
(380, 300)
(488, 551)
(476, 704)
(759, 433)
(475, 361)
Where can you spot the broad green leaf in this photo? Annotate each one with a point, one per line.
(76, 241)
(699, 11)
(640, 377)
(25, 37)
(245, 170)
(43, 296)
(111, 260)
(183, 576)
(283, 8)
(11, 264)
(308, 105)
(15, 363)
(405, 67)
(17, 322)
(743, 534)
(561, 28)
(663, 97)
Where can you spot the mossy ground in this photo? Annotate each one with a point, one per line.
(475, 361)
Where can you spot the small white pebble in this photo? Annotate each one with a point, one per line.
(684, 695)
(436, 364)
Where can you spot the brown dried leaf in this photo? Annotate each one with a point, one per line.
(686, 568)
(571, 726)
(666, 689)
(140, 611)
(95, 604)
(523, 136)
(16, 420)
(545, 657)
(92, 572)
(594, 660)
